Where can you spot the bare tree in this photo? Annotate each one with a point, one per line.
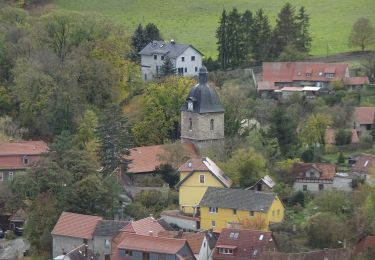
(362, 34)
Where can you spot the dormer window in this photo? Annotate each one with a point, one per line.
(308, 75)
(330, 75)
(225, 251)
(190, 105)
(25, 160)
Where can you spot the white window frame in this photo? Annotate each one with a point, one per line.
(225, 251)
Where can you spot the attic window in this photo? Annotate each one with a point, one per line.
(308, 75)
(320, 74)
(261, 237)
(225, 251)
(234, 235)
(201, 178)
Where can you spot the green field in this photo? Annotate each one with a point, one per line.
(195, 21)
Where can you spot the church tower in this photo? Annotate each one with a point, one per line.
(202, 115)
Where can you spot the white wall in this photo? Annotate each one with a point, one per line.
(188, 63)
(150, 61)
(311, 186)
(341, 183)
(205, 253)
(64, 244)
(182, 223)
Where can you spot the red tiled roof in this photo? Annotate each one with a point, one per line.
(296, 71)
(267, 85)
(147, 158)
(356, 81)
(327, 170)
(248, 244)
(330, 136)
(365, 164)
(364, 244)
(194, 240)
(146, 243)
(144, 226)
(364, 115)
(23, 148)
(75, 225)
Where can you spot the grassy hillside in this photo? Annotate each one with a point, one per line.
(195, 21)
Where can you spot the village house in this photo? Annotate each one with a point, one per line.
(16, 156)
(265, 184)
(306, 78)
(364, 168)
(330, 137)
(364, 120)
(235, 208)
(315, 177)
(243, 244)
(185, 58)
(195, 177)
(365, 247)
(80, 253)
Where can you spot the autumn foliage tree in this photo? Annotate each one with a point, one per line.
(362, 34)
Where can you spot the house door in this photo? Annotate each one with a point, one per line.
(181, 71)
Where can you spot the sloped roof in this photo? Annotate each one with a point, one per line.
(267, 180)
(364, 115)
(327, 170)
(356, 81)
(76, 225)
(194, 240)
(267, 85)
(365, 164)
(23, 148)
(204, 164)
(79, 254)
(248, 244)
(144, 226)
(364, 244)
(296, 71)
(109, 227)
(204, 97)
(146, 158)
(249, 200)
(173, 50)
(19, 216)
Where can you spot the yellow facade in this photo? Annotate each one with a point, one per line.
(225, 217)
(192, 189)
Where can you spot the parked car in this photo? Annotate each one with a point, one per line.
(1, 233)
(18, 231)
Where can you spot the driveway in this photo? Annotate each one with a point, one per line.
(12, 249)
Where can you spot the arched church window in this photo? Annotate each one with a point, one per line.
(190, 124)
(211, 124)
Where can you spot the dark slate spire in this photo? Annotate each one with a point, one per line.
(203, 97)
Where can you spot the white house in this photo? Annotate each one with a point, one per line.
(186, 59)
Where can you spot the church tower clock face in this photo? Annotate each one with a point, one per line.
(190, 105)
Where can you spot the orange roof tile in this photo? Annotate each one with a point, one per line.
(147, 158)
(365, 164)
(194, 240)
(76, 225)
(327, 170)
(364, 115)
(144, 226)
(23, 148)
(365, 244)
(356, 81)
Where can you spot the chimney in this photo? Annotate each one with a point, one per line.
(151, 233)
(173, 41)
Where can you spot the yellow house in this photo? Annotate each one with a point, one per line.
(196, 176)
(235, 208)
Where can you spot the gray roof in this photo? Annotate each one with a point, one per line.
(249, 200)
(109, 227)
(172, 49)
(204, 97)
(79, 254)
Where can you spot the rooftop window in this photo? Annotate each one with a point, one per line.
(225, 251)
(234, 235)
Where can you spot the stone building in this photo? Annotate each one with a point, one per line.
(202, 115)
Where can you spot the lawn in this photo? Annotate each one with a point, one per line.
(195, 21)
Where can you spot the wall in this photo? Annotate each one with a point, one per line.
(205, 252)
(188, 63)
(225, 216)
(342, 183)
(150, 61)
(181, 222)
(191, 191)
(99, 246)
(64, 244)
(201, 126)
(311, 186)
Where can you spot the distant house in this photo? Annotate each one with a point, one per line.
(221, 208)
(17, 156)
(364, 167)
(306, 78)
(196, 176)
(80, 253)
(243, 244)
(71, 231)
(364, 247)
(364, 119)
(330, 136)
(185, 58)
(265, 184)
(315, 177)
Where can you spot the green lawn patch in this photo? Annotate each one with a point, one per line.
(195, 21)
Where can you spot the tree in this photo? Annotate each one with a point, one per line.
(303, 40)
(337, 203)
(151, 33)
(115, 140)
(343, 137)
(245, 167)
(261, 44)
(168, 174)
(143, 36)
(167, 68)
(312, 131)
(362, 34)
(222, 40)
(138, 39)
(247, 22)
(235, 40)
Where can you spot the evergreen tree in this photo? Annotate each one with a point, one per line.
(115, 140)
(234, 33)
(151, 33)
(261, 40)
(138, 39)
(303, 41)
(285, 32)
(167, 68)
(222, 37)
(247, 28)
